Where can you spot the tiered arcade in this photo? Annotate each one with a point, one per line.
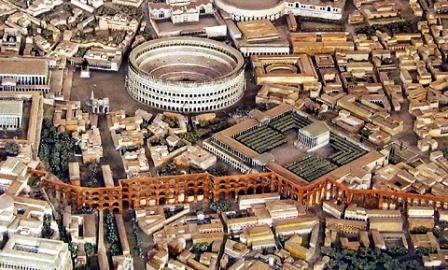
(250, 10)
(140, 192)
(186, 74)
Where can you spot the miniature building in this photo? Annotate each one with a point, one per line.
(11, 114)
(316, 9)
(246, 201)
(24, 74)
(87, 5)
(295, 247)
(131, 3)
(346, 226)
(68, 116)
(299, 225)
(284, 69)
(35, 253)
(258, 237)
(11, 42)
(38, 7)
(180, 11)
(314, 136)
(107, 176)
(386, 224)
(235, 249)
(184, 90)
(196, 157)
(73, 223)
(333, 208)
(427, 240)
(318, 43)
(251, 10)
(103, 59)
(101, 105)
(74, 173)
(13, 176)
(282, 209)
(355, 212)
(91, 146)
(258, 38)
(236, 146)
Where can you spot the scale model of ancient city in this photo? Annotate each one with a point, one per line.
(223, 134)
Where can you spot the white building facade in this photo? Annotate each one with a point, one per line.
(11, 114)
(250, 14)
(314, 136)
(192, 88)
(30, 253)
(23, 74)
(330, 10)
(180, 11)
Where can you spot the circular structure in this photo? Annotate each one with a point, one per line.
(281, 68)
(249, 10)
(186, 74)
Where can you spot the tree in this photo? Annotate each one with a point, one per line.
(364, 259)
(424, 251)
(47, 231)
(90, 249)
(219, 206)
(112, 235)
(392, 265)
(200, 247)
(92, 175)
(218, 170)
(365, 134)
(421, 230)
(56, 150)
(167, 169)
(12, 149)
(44, 153)
(412, 265)
(137, 243)
(397, 251)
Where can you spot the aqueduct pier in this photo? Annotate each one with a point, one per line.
(177, 189)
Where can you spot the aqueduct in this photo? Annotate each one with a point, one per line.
(141, 192)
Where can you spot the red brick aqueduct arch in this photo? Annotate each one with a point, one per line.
(137, 193)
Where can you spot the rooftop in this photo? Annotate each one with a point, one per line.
(24, 66)
(11, 107)
(315, 129)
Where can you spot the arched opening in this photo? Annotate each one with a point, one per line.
(162, 201)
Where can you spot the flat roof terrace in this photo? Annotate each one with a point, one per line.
(165, 28)
(23, 66)
(11, 107)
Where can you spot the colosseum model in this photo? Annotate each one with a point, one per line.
(186, 74)
(250, 10)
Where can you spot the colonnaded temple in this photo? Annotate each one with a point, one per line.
(140, 192)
